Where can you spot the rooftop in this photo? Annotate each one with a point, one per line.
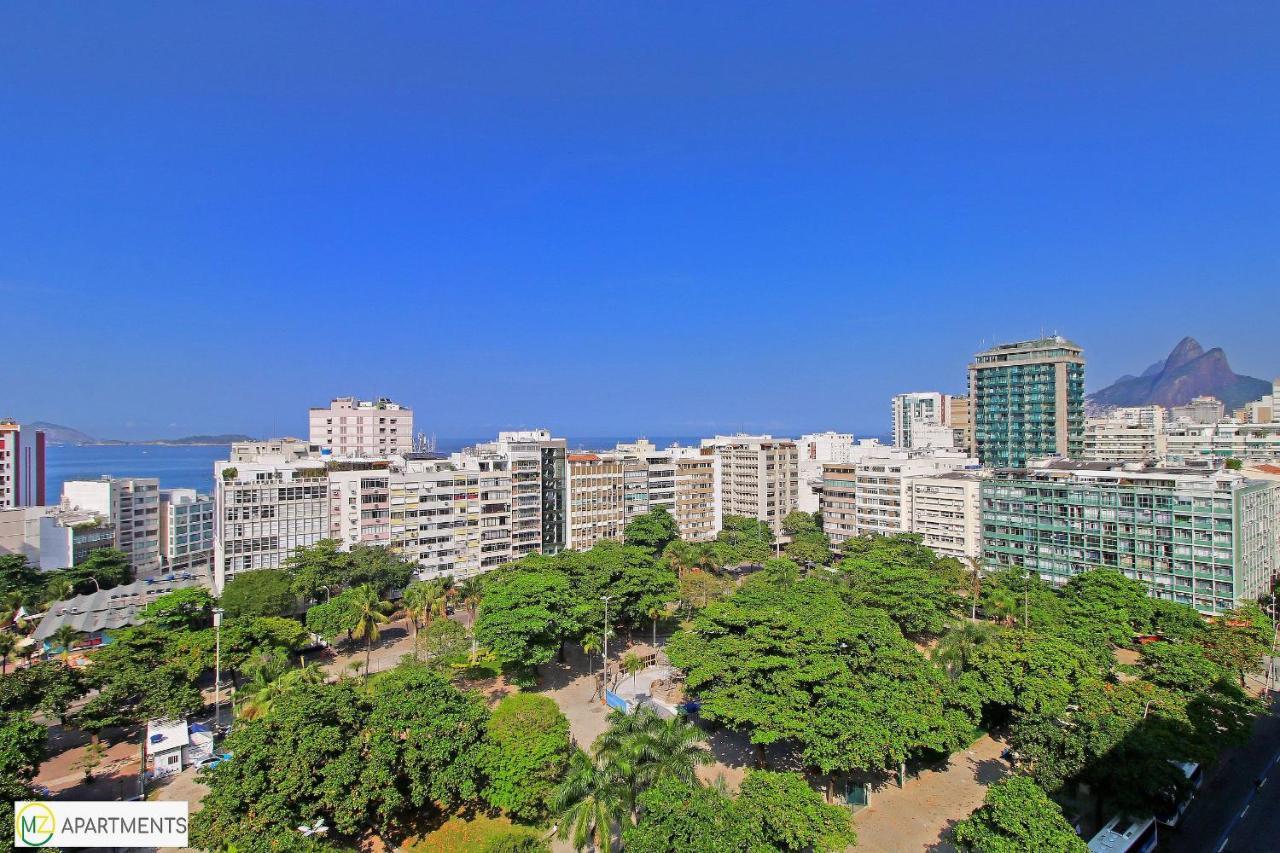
(108, 609)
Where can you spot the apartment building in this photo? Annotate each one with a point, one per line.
(596, 507)
(759, 476)
(21, 465)
(928, 407)
(52, 537)
(961, 422)
(650, 476)
(695, 509)
(1201, 410)
(1027, 400)
(186, 532)
(1262, 410)
(1134, 434)
(813, 451)
(839, 501)
(883, 497)
(1201, 536)
(452, 517)
(1186, 441)
(268, 504)
(946, 512)
(536, 461)
(132, 507)
(373, 429)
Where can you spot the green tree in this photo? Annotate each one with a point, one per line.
(1237, 640)
(1233, 464)
(956, 647)
(1103, 606)
(797, 522)
(1023, 672)
(590, 804)
(266, 592)
(20, 582)
(1017, 816)
(680, 556)
(110, 567)
(632, 665)
(782, 812)
(526, 752)
(899, 575)
(444, 646)
(653, 530)
(369, 619)
(265, 689)
(62, 639)
(744, 540)
(812, 548)
(335, 617)
(323, 566)
(7, 644)
(698, 589)
(183, 609)
(525, 616)
(682, 817)
(1180, 666)
(422, 601)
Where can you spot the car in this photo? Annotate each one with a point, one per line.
(212, 761)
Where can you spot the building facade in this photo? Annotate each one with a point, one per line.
(596, 508)
(1027, 400)
(929, 407)
(759, 476)
(1126, 435)
(21, 466)
(813, 451)
(186, 532)
(1201, 410)
(132, 506)
(372, 429)
(695, 498)
(946, 511)
(1186, 442)
(1202, 537)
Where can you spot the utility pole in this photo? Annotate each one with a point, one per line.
(217, 668)
(605, 672)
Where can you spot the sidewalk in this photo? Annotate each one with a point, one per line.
(920, 815)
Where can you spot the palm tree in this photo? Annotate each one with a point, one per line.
(975, 567)
(591, 646)
(10, 604)
(368, 616)
(419, 601)
(640, 749)
(632, 664)
(1003, 604)
(680, 555)
(470, 593)
(708, 559)
(7, 644)
(262, 699)
(62, 639)
(654, 611)
(956, 647)
(591, 804)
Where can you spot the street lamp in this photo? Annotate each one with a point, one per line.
(605, 673)
(217, 668)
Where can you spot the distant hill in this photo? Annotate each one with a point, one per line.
(58, 434)
(1189, 371)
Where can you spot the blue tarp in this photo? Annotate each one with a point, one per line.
(613, 700)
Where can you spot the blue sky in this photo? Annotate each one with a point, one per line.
(618, 218)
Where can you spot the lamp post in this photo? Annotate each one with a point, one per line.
(217, 668)
(605, 672)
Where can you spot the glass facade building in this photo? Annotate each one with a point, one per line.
(1027, 401)
(1199, 537)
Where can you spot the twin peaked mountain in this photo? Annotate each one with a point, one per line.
(1188, 372)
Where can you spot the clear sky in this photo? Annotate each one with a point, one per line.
(618, 218)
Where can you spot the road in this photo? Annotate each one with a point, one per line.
(1233, 812)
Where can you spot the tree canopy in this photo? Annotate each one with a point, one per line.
(265, 592)
(899, 575)
(525, 753)
(1017, 816)
(653, 530)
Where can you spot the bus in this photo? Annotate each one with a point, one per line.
(1195, 777)
(1124, 834)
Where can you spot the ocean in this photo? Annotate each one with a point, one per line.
(192, 467)
(177, 467)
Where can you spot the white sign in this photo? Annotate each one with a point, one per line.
(39, 823)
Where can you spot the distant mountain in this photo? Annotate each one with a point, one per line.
(58, 434)
(1189, 371)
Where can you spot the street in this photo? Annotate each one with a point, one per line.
(1232, 812)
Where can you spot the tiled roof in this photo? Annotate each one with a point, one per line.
(109, 608)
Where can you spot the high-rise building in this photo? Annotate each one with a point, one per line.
(1205, 537)
(21, 465)
(132, 506)
(1186, 441)
(759, 476)
(695, 508)
(1201, 410)
(186, 532)
(1264, 410)
(813, 451)
(596, 508)
(1027, 400)
(374, 429)
(929, 407)
(1134, 434)
(946, 512)
(961, 422)
(536, 462)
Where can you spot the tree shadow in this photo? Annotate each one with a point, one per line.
(945, 843)
(989, 770)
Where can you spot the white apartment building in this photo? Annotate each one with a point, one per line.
(1262, 410)
(52, 537)
(873, 494)
(596, 506)
(1133, 434)
(267, 504)
(1201, 410)
(695, 510)
(186, 532)
(759, 476)
(1188, 441)
(132, 506)
(929, 407)
(373, 429)
(946, 510)
(813, 451)
(537, 464)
